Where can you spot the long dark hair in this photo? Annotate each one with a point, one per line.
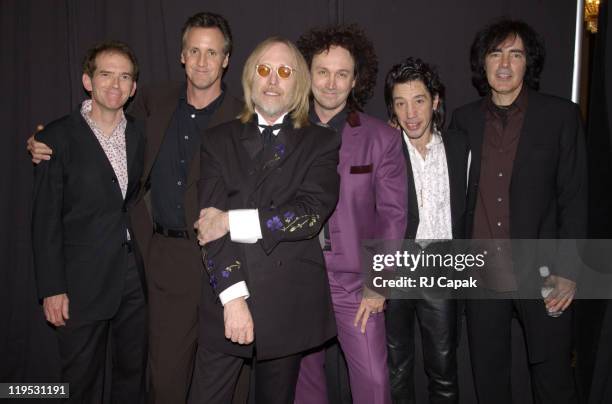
(494, 34)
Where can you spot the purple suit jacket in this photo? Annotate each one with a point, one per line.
(373, 191)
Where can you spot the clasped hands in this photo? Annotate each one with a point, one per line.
(211, 225)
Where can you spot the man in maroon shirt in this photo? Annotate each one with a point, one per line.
(527, 181)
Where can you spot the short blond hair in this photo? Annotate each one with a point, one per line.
(300, 102)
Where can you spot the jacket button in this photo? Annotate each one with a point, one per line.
(114, 179)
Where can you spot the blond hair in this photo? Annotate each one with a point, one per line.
(300, 101)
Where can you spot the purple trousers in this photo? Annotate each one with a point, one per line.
(366, 354)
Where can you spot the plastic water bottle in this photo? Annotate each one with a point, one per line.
(547, 290)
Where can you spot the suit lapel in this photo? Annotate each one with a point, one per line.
(529, 134)
(456, 181)
(413, 205)
(286, 143)
(156, 126)
(221, 115)
(132, 144)
(91, 142)
(476, 134)
(250, 139)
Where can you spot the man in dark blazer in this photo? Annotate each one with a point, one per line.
(437, 180)
(83, 245)
(176, 116)
(267, 185)
(527, 181)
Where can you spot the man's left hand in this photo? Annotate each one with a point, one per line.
(212, 225)
(562, 295)
(368, 306)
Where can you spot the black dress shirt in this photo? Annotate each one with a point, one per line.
(169, 173)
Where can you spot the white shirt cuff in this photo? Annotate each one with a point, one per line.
(244, 225)
(235, 291)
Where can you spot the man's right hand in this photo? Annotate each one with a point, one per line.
(238, 321)
(38, 150)
(56, 309)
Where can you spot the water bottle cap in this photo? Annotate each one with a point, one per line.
(544, 271)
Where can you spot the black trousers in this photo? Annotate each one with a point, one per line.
(83, 348)
(437, 319)
(174, 277)
(549, 344)
(216, 375)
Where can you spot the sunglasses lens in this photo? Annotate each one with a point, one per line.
(263, 70)
(284, 72)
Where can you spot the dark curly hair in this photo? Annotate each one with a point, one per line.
(353, 39)
(494, 34)
(411, 69)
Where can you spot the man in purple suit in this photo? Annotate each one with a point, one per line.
(372, 205)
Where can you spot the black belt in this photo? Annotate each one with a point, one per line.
(170, 232)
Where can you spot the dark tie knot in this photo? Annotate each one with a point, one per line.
(268, 133)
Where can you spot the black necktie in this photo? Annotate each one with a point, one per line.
(268, 133)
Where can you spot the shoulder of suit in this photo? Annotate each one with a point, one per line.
(550, 101)
(224, 128)
(454, 137)
(162, 89)
(57, 132)
(376, 126)
(134, 122)
(468, 108)
(232, 102)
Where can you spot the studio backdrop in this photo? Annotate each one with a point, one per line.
(43, 43)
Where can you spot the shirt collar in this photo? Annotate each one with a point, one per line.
(207, 109)
(436, 139)
(262, 121)
(336, 123)
(519, 104)
(86, 114)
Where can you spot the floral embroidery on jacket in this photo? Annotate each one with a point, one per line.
(213, 281)
(228, 269)
(291, 222)
(279, 152)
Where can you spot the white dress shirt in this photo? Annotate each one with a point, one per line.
(244, 227)
(432, 189)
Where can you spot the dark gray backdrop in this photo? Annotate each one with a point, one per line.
(43, 41)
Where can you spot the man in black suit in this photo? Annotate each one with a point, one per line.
(83, 246)
(268, 183)
(176, 115)
(527, 181)
(437, 178)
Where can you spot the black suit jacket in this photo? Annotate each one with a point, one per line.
(295, 188)
(457, 152)
(548, 191)
(155, 106)
(79, 217)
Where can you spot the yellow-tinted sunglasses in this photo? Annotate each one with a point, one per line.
(264, 70)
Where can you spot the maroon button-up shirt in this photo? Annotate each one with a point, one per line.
(502, 132)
